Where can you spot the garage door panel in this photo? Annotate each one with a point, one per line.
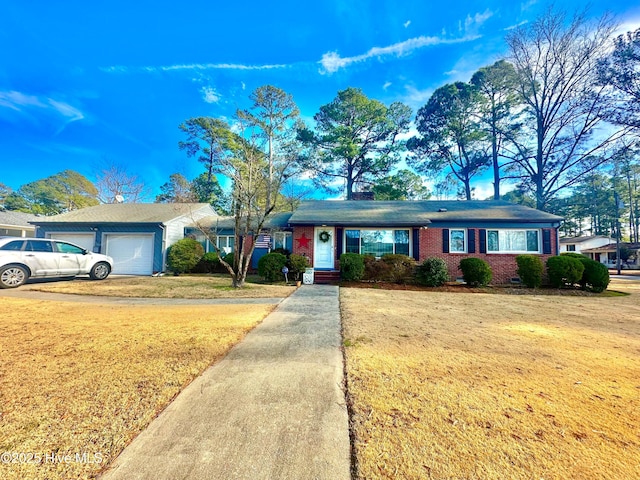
(84, 240)
(132, 254)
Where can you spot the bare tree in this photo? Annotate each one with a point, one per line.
(116, 185)
(563, 136)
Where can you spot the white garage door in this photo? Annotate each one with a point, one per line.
(132, 254)
(84, 240)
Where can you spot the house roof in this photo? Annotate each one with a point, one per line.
(573, 240)
(275, 220)
(16, 219)
(611, 247)
(413, 213)
(125, 213)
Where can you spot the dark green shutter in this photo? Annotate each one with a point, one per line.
(416, 244)
(483, 240)
(471, 240)
(339, 240)
(546, 242)
(445, 240)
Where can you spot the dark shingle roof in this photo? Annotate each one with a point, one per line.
(580, 239)
(275, 220)
(16, 219)
(413, 213)
(125, 213)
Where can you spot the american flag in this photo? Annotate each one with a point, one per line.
(263, 241)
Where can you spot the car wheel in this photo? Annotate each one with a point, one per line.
(100, 271)
(13, 276)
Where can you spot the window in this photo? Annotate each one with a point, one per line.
(282, 240)
(457, 241)
(513, 241)
(68, 248)
(571, 248)
(15, 245)
(225, 243)
(38, 246)
(377, 242)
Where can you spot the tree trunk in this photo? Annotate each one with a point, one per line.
(349, 181)
(494, 153)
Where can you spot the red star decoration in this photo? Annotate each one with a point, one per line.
(303, 241)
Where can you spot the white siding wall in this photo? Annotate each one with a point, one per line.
(174, 229)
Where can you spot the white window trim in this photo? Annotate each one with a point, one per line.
(515, 252)
(344, 238)
(284, 236)
(465, 240)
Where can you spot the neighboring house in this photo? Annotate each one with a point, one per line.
(136, 235)
(496, 231)
(16, 224)
(579, 244)
(606, 254)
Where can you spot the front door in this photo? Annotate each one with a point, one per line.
(323, 245)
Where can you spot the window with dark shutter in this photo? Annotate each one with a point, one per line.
(471, 240)
(339, 241)
(416, 244)
(445, 240)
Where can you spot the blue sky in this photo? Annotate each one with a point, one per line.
(84, 84)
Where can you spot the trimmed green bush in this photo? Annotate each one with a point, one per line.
(476, 272)
(401, 268)
(297, 265)
(564, 271)
(209, 263)
(184, 255)
(270, 266)
(433, 272)
(351, 267)
(530, 270)
(595, 276)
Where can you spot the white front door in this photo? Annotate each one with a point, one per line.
(323, 247)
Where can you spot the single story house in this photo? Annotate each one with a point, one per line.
(496, 231)
(136, 235)
(606, 254)
(578, 244)
(16, 224)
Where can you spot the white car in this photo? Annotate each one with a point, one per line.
(24, 258)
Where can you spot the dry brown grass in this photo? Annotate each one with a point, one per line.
(187, 286)
(78, 378)
(477, 386)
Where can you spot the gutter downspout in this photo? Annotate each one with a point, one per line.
(163, 267)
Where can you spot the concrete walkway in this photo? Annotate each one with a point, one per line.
(273, 408)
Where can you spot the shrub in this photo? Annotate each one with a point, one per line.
(564, 270)
(530, 270)
(400, 268)
(351, 267)
(281, 250)
(229, 259)
(595, 276)
(184, 255)
(374, 269)
(297, 265)
(209, 263)
(433, 272)
(476, 272)
(270, 266)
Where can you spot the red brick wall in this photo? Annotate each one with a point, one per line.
(299, 250)
(503, 265)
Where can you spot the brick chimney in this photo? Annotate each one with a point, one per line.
(362, 196)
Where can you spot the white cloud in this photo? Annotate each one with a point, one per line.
(416, 98)
(190, 66)
(406, 24)
(386, 85)
(21, 102)
(519, 24)
(332, 62)
(210, 95)
(475, 22)
(244, 85)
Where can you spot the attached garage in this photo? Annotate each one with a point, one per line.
(132, 254)
(84, 240)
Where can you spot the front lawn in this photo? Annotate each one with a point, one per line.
(454, 385)
(82, 379)
(168, 286)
